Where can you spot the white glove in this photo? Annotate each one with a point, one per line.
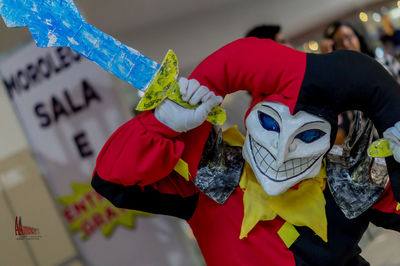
(182, 119)
(392, 134)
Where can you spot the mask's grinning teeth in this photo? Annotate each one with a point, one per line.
(266, 164)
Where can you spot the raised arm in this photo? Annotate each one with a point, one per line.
(135, 168)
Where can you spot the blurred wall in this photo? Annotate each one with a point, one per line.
(24, 194)
(195, 33)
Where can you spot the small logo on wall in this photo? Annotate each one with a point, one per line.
(25, 232)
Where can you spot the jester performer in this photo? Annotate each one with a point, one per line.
(274, 197)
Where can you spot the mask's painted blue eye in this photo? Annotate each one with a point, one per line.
(311, 135)
(268, 122)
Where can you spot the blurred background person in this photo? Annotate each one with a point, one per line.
(272, 32)
(390, 37)
(345, 37)
(341, 35)
(326, 45)
(237, 103)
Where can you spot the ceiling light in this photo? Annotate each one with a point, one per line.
(313, 45)
(363, 17)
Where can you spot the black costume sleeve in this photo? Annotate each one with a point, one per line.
(386, 211)
(146, 199)
(386, 220)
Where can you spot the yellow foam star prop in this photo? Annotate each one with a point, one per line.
(87, 211)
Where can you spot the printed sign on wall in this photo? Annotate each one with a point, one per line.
(68, 110)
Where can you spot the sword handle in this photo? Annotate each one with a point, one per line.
(164, 85)
(380, 149)
(217, 116)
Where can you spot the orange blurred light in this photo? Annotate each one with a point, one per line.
(313, 45)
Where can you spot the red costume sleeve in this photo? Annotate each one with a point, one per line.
(386, 211)
(140, 152)
(144, 152)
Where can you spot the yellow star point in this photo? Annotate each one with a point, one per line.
(87, 211)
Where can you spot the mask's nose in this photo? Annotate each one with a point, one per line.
(280, 157)
(283, 150)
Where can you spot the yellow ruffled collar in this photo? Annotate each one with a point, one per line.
(304, 206)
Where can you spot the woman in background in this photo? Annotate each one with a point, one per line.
(341, 35)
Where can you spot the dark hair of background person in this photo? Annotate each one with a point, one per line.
(264, 32)
(333, 27)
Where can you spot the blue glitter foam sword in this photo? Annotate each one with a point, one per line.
(59, 23)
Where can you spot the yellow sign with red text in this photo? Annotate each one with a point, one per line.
(87, 211)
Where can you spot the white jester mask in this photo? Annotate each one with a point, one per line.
(283, 149)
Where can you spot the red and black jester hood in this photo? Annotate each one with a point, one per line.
(324, 85)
